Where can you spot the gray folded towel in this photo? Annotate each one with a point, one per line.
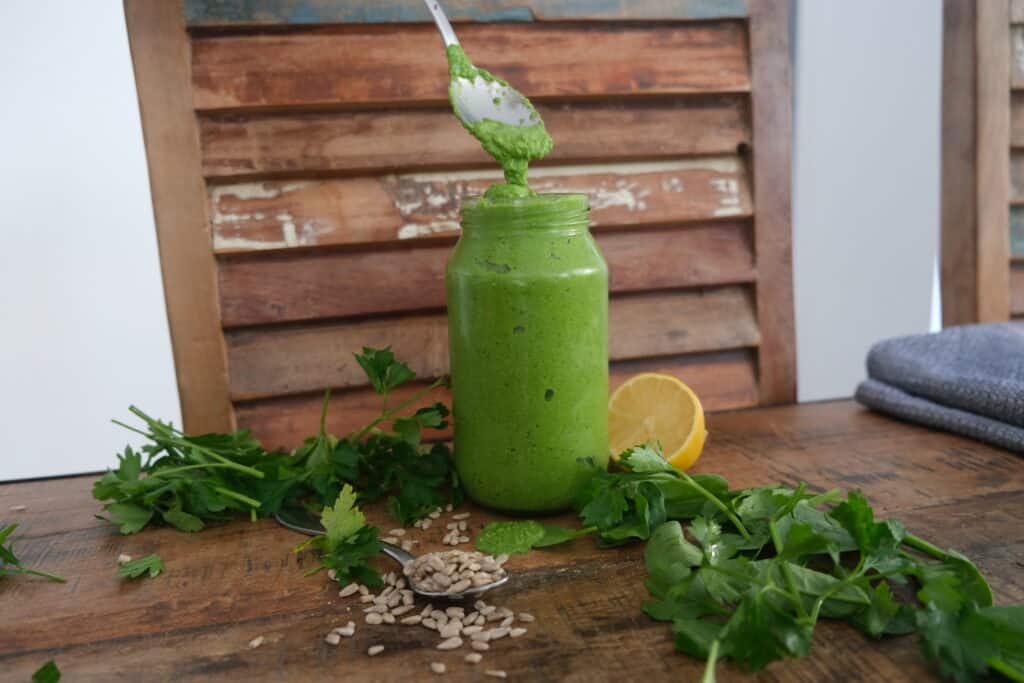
(968, 380)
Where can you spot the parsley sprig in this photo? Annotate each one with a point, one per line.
(747, 574)
(347, 544)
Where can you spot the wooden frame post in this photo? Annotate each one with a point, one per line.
(160, 54)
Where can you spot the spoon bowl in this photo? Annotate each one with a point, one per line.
(304, 522)
(476, 99)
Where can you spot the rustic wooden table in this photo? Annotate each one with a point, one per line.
(230, 584)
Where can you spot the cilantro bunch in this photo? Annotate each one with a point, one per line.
(747, 574)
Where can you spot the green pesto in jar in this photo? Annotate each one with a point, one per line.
(528, 334)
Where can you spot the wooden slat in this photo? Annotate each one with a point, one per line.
(221, 13)
(723, 380)
(771, 102)
(1016, 54)
(367, 65)
(1017, 289)
(311, 286)
(1016, 119)
(374, 141)
(1017, 177)
(284, 214)
(269, 362)
(1017, 231)
(160, 56)
(993, 179)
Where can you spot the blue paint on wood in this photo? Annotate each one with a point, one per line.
(268, 12)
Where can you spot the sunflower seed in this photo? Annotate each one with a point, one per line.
(375, 650)
(388, 618)
(516, 632)
(496, 673)
(348, 590)
(414, 619)
(474, 657)
(451, 629)
(461, 515)
(479, 645)
(438, 667)
(332, 638)
(124, 559)
(255, 642)
(507, 621)
(526, 617)
(450, 644)
(402, 609)
(397, 532)
(374, 618)
(470, 630)
(497, 633)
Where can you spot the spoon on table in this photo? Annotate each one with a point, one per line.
(298, 519)
(478, 98)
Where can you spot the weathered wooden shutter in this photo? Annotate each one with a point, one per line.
(307, 175)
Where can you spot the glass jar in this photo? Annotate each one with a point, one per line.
(528, 336)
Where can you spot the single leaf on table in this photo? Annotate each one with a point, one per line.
(47, 673)
(136, 568)
(348, 542)
(500, 538)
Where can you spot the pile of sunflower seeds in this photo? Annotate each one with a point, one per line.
(454, 571)
(449, 571)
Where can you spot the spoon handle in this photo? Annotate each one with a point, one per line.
(396, 553)
(443, 25)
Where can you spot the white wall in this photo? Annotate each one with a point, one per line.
(83, 331)
(866, 181)
(82, 326)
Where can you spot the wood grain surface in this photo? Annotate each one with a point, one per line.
(231, 583)
(303, 286)
(258, 216)
(402, 63)
(771, 102)
(299, 359)
(993, 179)
(247, 144)
(160, 52)
(724, 380)
(233, 13)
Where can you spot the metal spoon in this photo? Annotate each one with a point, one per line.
(300, 520)
(478, 99)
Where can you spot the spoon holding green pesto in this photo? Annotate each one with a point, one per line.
(495, 113)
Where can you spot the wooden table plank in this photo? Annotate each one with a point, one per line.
(232, 583)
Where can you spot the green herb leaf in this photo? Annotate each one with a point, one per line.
(136, 568)
(47, 673)
(10, 563)
(383, 371)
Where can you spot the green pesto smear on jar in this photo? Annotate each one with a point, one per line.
(513, 147)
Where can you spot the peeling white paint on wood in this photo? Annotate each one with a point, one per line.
(270, 215)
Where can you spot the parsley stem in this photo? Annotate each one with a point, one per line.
(718, 504)
(918, 543)
(237, 496)
(709, 668)
(773, 529)
(203, 466)
(389, 413)
(51, 577)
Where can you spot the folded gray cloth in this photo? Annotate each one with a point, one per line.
(968, 380)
